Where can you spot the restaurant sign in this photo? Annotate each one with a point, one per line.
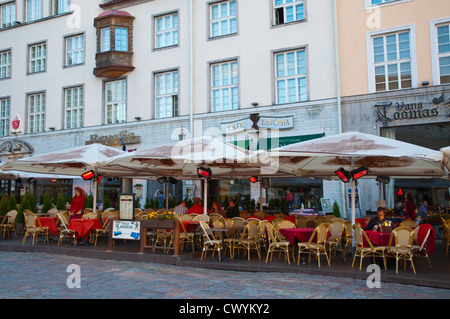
(386, 112)
(126, 229)
(255, 121)
(111, 140)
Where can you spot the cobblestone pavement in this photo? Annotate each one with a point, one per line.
(39, 275)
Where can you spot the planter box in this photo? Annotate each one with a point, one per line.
(160, 224)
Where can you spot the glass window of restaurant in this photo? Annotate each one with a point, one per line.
(434, 190)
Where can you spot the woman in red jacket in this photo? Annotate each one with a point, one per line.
(77, 205)
(410, 208)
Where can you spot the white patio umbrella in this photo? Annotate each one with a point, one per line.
(446, 152)
(73, 161)
(382, 156)
(181, 159)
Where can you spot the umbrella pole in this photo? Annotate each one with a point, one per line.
(167, 195)
(205, 195)
(94, 208)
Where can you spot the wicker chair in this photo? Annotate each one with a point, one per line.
(238, 221)
(228, 240)
(89, 215)
(185, 237)
(446, 237)
(315, 248)
(275, 244)
(9, 223)
(403, 237)
(31, 229)
(301, 221)
(337, 230)
(65, 232)
(202, 217)
(186, 217)
(249, 238)
(408, 223)
(210, 243)
(370, 251)
(260, 214)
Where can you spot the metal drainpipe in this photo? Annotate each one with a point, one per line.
(191, 69)
(338, 87)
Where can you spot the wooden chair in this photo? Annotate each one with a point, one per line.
(229, 241)
(210, 243)
(186, 217)
(52, 212)
(65, 232)
(31, 229)
(249, 238)
(337, 230)
(403, 237)
(315, 248)
(275, 244)
(9, 223)
(215, 216)
(370, 251)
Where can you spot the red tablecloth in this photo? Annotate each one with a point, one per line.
(270, 218)
(84, 227)
(377, 239)
(295, 235)
(49, 222)
(189, 225)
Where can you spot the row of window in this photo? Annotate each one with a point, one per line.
(33, 11)
(290, 81)
(393, 60)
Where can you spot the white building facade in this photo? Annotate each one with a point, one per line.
(147, 72)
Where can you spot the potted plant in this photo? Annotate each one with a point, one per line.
(336, 211)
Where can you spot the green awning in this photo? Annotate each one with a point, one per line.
(270, 143)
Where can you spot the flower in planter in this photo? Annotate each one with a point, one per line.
(166, 215)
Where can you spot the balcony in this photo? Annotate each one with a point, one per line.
(114, 55)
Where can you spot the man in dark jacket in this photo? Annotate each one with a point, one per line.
(232, 211)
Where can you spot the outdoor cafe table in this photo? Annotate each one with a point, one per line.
(297, 234)
(84, 227)
(49, 222)
(377, 238)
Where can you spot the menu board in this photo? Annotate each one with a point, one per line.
(126, 206)
(326, 205)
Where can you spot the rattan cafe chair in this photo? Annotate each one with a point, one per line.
(210, 243)
(370, 251)
(403, 237)
(65, 232)
(275, 244)
(9, 223)
(337, 230)
(317, 248)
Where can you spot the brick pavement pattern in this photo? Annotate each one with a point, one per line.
(39, 275)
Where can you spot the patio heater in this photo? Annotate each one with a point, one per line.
(204, 173)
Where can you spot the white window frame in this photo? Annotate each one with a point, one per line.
(5, 64)
(121, 39)
(285, 6)
(105, 39)
(224, 88)
(435, 65)
(33, 10)
(301, 91)
(39, 57)
(370, 6)
(5, 109)
(116, 102)
(60, 6)
(222, 20)
(371, 58)
(166, 94)
(7, 14)
(73, 107)
(167, 30)
(36, 117)
(75, 52)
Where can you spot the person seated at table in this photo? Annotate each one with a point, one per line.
(76, 209)
(233, 210)
(181, 208)
(375, 222)
(197, 207)
(217, 209)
